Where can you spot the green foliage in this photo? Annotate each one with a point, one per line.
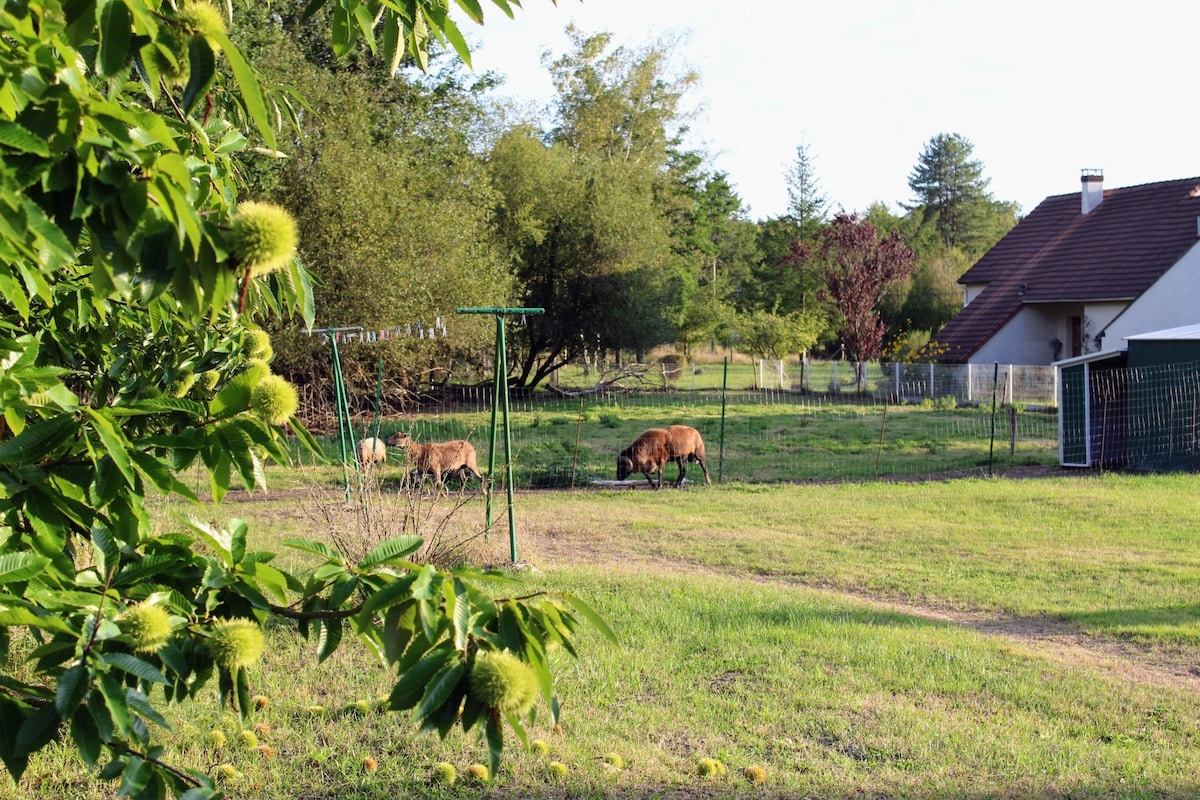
(585, 212)
(123, 274)
(375, 161)
(768, 335)
(588, 245)
(715, 247)
(951, 195)
(807, 203)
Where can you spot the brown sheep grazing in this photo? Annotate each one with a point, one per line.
(648, 454)
(439, 459)
(686, 445)
(371, 451)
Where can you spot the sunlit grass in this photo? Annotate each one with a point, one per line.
(751, 632)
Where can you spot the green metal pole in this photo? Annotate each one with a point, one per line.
(502, 371)
(499, 376)
(501, 396)
(345, 431)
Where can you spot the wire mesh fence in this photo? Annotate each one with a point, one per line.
(570, 436)
(1141, 418)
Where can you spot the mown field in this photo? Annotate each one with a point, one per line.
(972, 638)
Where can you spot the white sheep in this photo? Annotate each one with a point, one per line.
(371, 451)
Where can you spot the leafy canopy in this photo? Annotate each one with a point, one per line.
(126, 357)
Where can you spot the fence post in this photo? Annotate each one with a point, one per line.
(970, 385)
(1012, 430)
(931, 380)
(992, 439)
(882, 431)
(721, 450)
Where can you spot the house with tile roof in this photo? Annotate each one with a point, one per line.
(1080, 274)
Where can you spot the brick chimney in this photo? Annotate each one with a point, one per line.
(1093, 189)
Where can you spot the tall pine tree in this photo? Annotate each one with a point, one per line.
(951, 193)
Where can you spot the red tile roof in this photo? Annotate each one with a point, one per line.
(1058, 254)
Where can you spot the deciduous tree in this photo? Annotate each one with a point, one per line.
(858, 267)
(582, 210)
(132, 277)
(373, 162)
(588, 245)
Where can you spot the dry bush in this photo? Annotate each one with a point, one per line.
(382, 507)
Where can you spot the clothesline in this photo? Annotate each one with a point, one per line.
(359, 334)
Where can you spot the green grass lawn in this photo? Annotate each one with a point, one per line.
(778, 626)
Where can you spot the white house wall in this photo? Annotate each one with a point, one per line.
(1025, 339)
(971, 291)
(1170, 303)
(1098, 317)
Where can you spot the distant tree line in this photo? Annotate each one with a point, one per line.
(427, 193)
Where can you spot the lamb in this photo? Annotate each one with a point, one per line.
(685, 444)
(648, 454)
(439, 459)
(371, 451)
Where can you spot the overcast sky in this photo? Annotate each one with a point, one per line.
(1042, 88)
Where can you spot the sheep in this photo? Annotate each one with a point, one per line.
(685, 444)
(371, 451)
(648, 454)
(439, 459)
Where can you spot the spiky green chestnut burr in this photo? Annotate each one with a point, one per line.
(443, 773)
(235, 395)
(708, 767)
(259, 342)
(209, 379)
(539, 747)
(249, 739)
(755, 774)
(478, 772)
(263, 237)
(202, 18)
(148, 626)
(614, 759)
(556, 770)
(215, 739)
(176, 68)
(274, 400)
(502, 681)
(227, 773)
(236, 643)
(182, 385)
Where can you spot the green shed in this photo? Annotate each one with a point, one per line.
(1164, 400)
(1092, 393)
